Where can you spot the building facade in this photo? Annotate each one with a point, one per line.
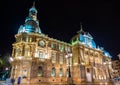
(116, 68)
(37, 58)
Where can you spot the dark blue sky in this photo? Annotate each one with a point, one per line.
(60, 19)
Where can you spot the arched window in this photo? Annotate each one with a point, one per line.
(53, 72)
(60, 72)
(67, 73)
(40, 71)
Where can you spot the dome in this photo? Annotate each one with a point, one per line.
(107, 54)
(87, 39)
(29, 27)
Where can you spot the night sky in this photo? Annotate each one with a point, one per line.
(60, 19)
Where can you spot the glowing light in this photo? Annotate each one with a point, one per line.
(110, 62)
(83, 63)
(11, 59)
(19, 57)
(6, 68)
(75, 63)
(104, 63)
(107, 54)
(82, 38)
(93, 44)
(70, 54)
(46, 55)
(74, 42)
(66, 56)
(87, 40)
(36, 55)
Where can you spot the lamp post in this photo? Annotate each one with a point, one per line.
(68, 56)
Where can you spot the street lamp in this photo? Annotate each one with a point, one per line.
(68, 56)
(11, 59)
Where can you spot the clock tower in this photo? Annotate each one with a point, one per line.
(25, 47)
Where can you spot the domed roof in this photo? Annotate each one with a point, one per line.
(31, 23)
(107, 54)
(85, 38)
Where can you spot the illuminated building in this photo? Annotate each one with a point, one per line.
(37, 58)
(116, 68)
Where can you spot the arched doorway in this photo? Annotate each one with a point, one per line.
(88, 75)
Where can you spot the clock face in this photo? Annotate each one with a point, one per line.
(42, 43)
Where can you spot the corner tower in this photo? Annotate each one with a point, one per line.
(31, 22)
(24, 48)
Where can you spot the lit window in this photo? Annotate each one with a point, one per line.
(27, 51)
(30, 39)
(39, 71)
(60, 72)
(53, 72)
(24, 73)
(53, 56)
(41, 56)
(67, 73)
(18, 52)
(61, 48)
(61, 58)
(53, 46)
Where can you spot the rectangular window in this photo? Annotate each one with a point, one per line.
(27, 51)
(82, 69)
(41, 56)
(61, 48)
(61, 58)
(53, 56)
(30, 39)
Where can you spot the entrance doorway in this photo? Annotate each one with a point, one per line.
(24, 73)
(88, 75)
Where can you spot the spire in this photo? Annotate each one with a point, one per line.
(33, 4)
(33, 8)
(33, 12)
(31, 22)
(81, 29)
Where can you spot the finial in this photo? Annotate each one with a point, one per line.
(81, 27)
(34, 4)
(81, 30)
